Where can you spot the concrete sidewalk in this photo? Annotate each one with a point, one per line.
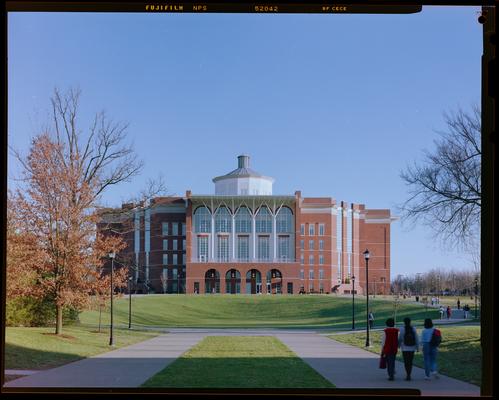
(350, 367)
(344, 365)
(123, 368)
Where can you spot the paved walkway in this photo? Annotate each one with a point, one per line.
(126, 367)
(344, 365)
(351, 367)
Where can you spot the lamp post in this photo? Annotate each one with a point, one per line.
(353, 302)
(438, 289)
(129, 302)
(366, 257)
(112, 255)
(476, 294)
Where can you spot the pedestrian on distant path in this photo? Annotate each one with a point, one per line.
(441, 309)
(466, 310)
(370, 317)
(389, 346)
(449, 312)
(429, 352)
(408, 342)
(458, 304)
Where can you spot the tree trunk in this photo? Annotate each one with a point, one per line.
(58, 327)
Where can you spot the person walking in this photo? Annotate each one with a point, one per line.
(429, 351)
(389, 346)
(466, 309)
(441, 309)
(371, 320)
(458, 304)
(408, 342)
(449, 312)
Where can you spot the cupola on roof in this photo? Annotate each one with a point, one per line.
(243, 180)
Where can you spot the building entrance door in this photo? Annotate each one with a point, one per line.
(233, 282)
(274, 281)
(253, 281)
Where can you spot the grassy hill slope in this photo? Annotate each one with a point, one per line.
(246, 311)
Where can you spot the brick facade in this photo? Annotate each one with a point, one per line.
(318, 260)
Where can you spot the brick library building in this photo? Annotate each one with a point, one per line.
(246, 240)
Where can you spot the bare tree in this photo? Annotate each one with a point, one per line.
(445, 191)
(55, 210)
(64, 175)
(101, 156)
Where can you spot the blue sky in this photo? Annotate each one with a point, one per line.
(332, 105)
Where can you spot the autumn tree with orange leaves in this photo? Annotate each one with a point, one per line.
(64, 174)
(24, 254)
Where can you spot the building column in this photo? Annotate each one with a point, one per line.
(233, 238)
(264, 281)
(253, 234)
(202, 285)
(212, 242)
(274, 238)
(223, 284)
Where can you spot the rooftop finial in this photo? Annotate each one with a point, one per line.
(243, 161)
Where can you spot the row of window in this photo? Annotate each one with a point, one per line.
(173, 227)
(311, 288)
(175, 244)
(243, 220)
(174, 274)
(311, 274)
(242, 248)
(176, 259)
(311, 229)
(311, 259)
(311, 244)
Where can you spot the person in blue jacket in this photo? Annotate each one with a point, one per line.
(429, 352)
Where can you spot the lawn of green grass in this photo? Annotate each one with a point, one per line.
(459, 355)
(239, 362)
(39, 348)
(277, 311)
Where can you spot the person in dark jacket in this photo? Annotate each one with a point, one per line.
(408, 348)
(389, 346)
(371, 319)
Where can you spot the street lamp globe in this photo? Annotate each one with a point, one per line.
(366, 255)
(112, 255)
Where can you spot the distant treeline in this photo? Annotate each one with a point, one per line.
(438, 282)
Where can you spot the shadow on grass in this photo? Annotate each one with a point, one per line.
(287, 375)
(20, 357)
(240, 374)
